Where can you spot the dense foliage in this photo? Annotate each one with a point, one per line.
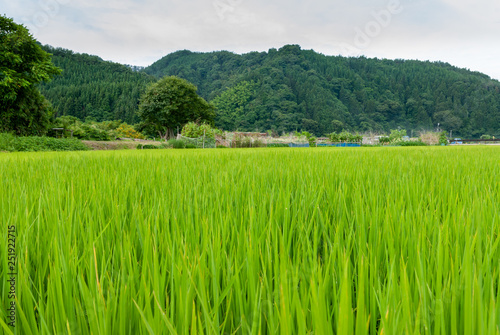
(193, 130)
(292, 89)
(23, 64)
(92, 130)
(92, 88)
(9, 142)
(170, 103)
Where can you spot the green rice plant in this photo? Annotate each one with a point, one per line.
(386, 240)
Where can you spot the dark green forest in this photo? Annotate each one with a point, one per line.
(90, 88)
(290, 89)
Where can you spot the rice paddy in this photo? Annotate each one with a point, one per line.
(254, 241)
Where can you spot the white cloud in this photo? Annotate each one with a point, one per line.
(462, 32)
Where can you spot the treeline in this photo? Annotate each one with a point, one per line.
(90, 88)
(292, 89)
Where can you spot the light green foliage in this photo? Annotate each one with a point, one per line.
(194, 130)
(443, 139)
(23, 65)
(92, 130)
(255, 241)
(172, 102)
(345, 136)
(232, 106)
(310, 138)
(397, 135)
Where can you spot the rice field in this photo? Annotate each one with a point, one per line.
(254, 241)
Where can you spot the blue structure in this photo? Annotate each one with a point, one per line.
(306, 145)
(351, 145)
(299, 145)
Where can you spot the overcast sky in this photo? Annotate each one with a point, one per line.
(465, 33)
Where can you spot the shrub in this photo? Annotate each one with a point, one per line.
(334, 137)
(11, 143)
(411, 144)
(176, 144)
(246, 143)
(278, 145)
(194, 130)
(150, 146)
(125, 130)
(384, 140)
(190, 146)
(7, 142)
(443, 140)
(258, 143)
(397, 135)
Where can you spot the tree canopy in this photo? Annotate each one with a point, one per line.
(290, 89)
(293, 89)
(170, 103)
(91, 88)
(23, 64)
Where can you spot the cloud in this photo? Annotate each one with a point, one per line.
(462, 32)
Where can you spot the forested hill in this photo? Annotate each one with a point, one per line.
(290, 88)
(91, 87)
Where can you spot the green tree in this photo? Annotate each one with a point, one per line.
(172, 102)
(23, 64)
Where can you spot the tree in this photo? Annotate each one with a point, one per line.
(172, 102)
(23, 64)
(448, 120)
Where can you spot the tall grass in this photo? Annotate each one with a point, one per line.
(255, 241)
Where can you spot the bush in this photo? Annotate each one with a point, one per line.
(7, 142)
(258, 143)
(125, 130)
(94, 131)
(221, 147)
(176, 144)
(410, 144)
(246, 143)
(11, 143)
(384, 140)
(150, 146)
(443, 140)
(194, 130)
(278, 145)
(190, 146)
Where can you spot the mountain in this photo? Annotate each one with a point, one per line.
(293, 89)
(290, 89)
(91, 87)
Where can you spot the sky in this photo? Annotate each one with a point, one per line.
(464, 33)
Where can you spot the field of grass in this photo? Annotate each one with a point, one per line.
(254, 241)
